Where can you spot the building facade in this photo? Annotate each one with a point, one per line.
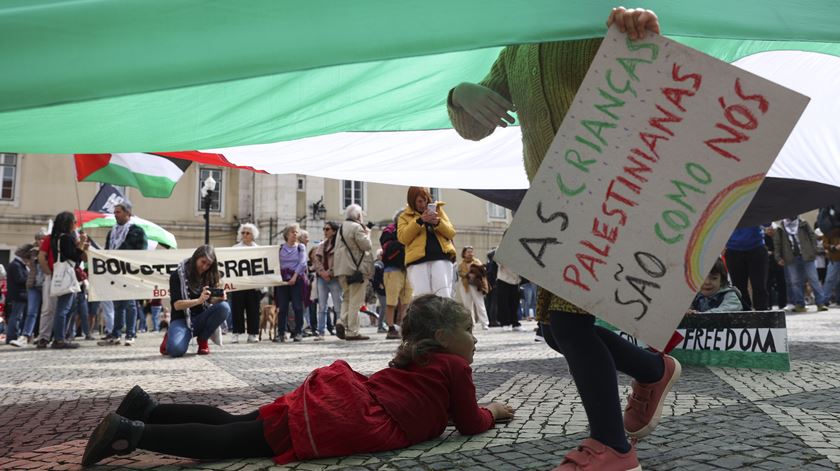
(36, 187)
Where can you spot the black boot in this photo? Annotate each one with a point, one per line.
(115, 435)
(137, 405)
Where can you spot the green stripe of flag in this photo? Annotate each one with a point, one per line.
(149, 185)
(247, 74)
(733, 359)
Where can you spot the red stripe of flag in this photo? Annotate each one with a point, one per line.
(86, 164)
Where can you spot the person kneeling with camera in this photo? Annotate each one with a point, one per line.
(199, 304)
(353, 266)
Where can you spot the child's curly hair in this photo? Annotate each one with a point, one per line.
(424, 316)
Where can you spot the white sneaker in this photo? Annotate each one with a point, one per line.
(235, 338)
(506, 328)
(19, 342)
(519, 328)
(129, 341)
(253, 339)
(485, 327)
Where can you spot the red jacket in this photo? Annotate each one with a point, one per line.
(338, 412)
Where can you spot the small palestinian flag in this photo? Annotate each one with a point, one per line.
(155, 175)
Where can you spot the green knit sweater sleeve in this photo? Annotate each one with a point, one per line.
(466, 126)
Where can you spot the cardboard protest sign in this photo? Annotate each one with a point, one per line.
(653, 166)
(144, 274)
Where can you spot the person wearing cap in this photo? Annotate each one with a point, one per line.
(124, 236)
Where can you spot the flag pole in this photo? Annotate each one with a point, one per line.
(78, 199)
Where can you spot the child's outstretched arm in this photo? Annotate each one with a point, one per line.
(468, 416)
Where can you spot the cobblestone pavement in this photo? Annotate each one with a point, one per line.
(718, 418)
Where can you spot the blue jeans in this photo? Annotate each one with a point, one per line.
(156, 317)
(283, 295)
(832, 279)
(203, 326)
(125, 315)
(33, 309)
(326, 289)
(63, 306)
(528, 302)
(798, 272)
(14, 320)
(80, 310)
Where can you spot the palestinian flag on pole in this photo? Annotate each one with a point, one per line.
(154, 174)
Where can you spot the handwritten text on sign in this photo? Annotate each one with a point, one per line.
(144, 274)
(652, 168)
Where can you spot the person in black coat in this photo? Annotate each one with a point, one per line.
(16, 274)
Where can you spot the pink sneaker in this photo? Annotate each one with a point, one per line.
(644, 404)
(592, 455)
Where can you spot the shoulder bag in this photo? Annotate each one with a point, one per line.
(64, 279)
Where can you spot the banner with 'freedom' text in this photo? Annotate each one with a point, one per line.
(144, 274)
(649, 173)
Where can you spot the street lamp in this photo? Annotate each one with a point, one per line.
(319, 211)
(207, 196)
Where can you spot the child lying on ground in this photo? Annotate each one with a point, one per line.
(716, 294)
(335, 412)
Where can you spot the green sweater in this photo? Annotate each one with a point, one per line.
(541, 80)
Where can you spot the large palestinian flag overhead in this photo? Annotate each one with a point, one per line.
(357, 89)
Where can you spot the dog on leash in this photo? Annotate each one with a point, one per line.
(268, 320)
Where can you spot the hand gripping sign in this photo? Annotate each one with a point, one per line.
(144, 274)
(651, 170)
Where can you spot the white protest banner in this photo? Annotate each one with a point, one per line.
(144, 274)
(649, 173)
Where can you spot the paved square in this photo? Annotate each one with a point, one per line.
(718, 418)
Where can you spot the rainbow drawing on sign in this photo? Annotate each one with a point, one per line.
(732, 200)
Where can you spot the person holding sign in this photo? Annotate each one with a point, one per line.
(539, 82)
(199, 304)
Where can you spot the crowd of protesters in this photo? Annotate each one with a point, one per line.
(334, 284)
(330, 286)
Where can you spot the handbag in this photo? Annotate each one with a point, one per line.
(64, 276)
(357, 276)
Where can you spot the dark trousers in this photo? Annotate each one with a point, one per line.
(284, 294)
(507, 303)
(749, 266)
(204, 432)
(244, 304)
(776, 284)
(594, 354)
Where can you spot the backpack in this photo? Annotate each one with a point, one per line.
(393, 252)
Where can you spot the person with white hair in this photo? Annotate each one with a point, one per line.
(245, 304)
(353, 267)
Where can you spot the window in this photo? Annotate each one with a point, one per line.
(435, 193)
(8, 172)
(352, 192)
(301, 183)
(494, 211)
(216, 198)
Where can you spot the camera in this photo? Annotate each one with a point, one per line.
(217, 293)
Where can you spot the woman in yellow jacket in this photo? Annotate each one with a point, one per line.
(425, 231)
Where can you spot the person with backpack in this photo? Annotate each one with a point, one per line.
(398, 290)
(353, 267)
